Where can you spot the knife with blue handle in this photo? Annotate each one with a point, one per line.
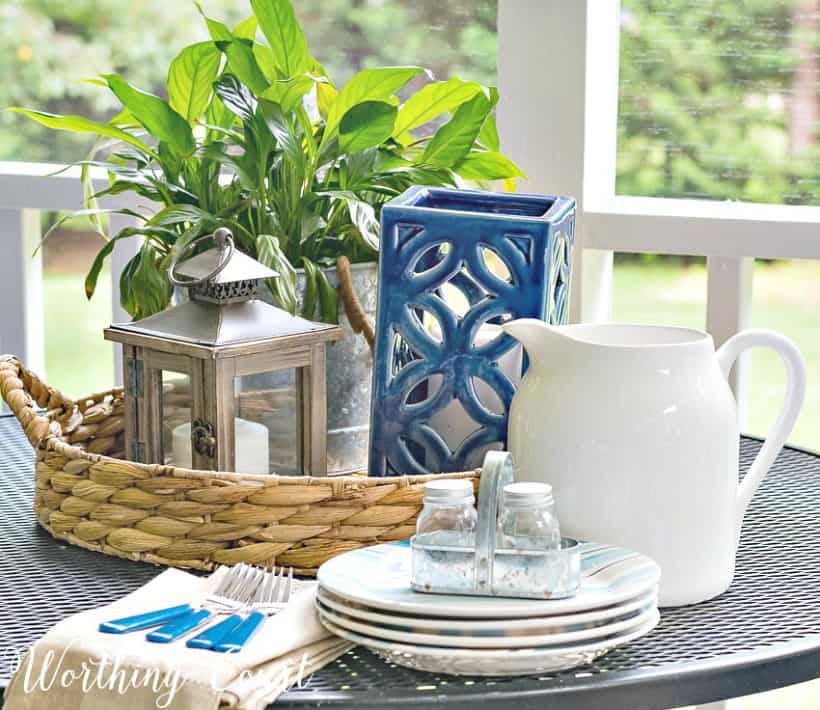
(209, 638)
(138, 622)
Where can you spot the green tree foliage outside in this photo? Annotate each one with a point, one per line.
(50, 46)
(716, 100)
(719, 100)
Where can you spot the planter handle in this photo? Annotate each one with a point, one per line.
(353, 306)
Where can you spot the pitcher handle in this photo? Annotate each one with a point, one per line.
(782, 427)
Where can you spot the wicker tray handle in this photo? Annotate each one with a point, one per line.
(25, 393)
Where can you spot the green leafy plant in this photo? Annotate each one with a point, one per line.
(254, 136)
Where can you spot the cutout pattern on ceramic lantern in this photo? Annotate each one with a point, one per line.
(454, 265)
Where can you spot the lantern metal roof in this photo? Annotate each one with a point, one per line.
(223, 307)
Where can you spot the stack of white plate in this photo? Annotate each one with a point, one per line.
(365, 596)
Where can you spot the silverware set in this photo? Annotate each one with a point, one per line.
(245, 596)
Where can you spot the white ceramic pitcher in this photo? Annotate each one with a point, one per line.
(635, 427)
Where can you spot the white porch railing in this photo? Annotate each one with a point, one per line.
(24, 192)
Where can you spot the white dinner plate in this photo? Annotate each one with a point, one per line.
(556, 623)
(492, 662)
(379, 577)
(625, 623)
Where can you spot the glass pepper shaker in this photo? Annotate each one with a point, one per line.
(449, 507)
(527, 519)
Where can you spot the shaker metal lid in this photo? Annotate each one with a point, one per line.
(448, 490)
(525, 494)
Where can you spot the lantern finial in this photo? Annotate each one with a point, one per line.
(220, 274)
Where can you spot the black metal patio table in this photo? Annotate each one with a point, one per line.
(764, 633)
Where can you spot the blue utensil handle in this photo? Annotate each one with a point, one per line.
(209, 638)
(240, 635)
(178, 627)
(139, 622)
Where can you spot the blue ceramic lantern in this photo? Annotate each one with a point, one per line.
(454, 265)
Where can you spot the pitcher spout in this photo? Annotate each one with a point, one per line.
(541, 341)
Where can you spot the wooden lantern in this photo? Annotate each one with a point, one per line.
(205, 381)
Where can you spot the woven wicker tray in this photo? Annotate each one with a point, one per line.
(87, 495)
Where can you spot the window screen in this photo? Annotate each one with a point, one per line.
(719, 100)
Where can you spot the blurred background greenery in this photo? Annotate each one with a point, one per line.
(719, 100)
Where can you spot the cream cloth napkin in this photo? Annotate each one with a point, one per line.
(76, 667)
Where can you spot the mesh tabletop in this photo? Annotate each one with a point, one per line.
(762, 634)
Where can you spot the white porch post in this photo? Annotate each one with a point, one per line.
(548, 82)
(21, 288)
(728, 311)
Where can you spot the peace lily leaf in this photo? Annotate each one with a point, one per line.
(283, 287)
(247, 28)
(219, 115)
(159, 119)
(283, 32)
(89, 213)
(488, 135)
(328, 299)
(288, 93)
(218, 30)
(96, 267)
(129, 300)
(455, 138)
(325, 96)
(191, 77)
(94, 81)
(123, 118)
(151, 282)
(311, 288)
(266, 61)
(368, 85)
(242, 63)
(365, 125)
(488, 165)
(433, 100)
(235, 96)
(79, 124)
(178, 214)
(310, 224)
(363, 217)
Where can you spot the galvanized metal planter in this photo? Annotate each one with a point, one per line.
(349, 374)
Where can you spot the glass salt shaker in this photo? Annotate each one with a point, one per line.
(527, 518)
(449, 508)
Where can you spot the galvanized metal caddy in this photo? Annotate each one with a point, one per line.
(484, 569)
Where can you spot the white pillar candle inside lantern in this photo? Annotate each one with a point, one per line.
(250, 446)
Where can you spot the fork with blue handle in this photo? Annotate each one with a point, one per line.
(272, 598)
(248, 580)
(242, 589)
(227, 594)
(211, 636)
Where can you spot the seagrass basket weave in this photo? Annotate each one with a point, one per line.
(86, 494)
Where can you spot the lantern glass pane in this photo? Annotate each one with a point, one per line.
(175, 412)
(267, 423)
